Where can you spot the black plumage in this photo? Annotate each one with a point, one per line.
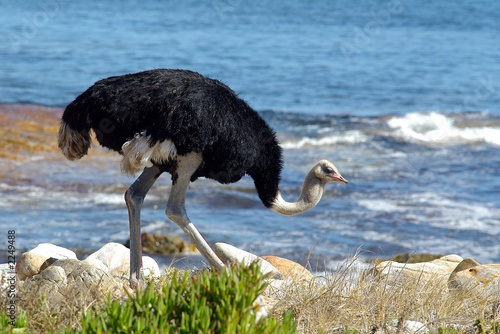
(196, 113)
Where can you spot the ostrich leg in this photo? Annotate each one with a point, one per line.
(134, 197)
(176, 211)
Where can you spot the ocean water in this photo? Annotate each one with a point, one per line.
(402, 96)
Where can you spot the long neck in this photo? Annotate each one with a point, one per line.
(312, 190)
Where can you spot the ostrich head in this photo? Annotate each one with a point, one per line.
(327, 172)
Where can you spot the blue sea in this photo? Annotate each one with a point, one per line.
(403, 96)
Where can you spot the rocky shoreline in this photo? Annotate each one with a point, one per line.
(54, 274)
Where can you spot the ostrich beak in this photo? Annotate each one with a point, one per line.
(338, 178)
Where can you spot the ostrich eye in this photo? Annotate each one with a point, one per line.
(329, 170)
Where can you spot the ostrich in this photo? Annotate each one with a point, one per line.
(181, 122)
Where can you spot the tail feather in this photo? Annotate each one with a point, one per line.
(73, 143)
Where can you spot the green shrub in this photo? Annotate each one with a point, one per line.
(20, 323)
(212, 302)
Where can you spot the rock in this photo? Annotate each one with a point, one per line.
(69, 282)
(289, 269)
(51, 250)
(465, 264)
(409, 327)
(55, 275)
(48, 262)
(437, 270)
(473, 279)
(150, 267)
(230, 254)
(114, 258)
(165, 245)
(415, 258)
(29, 263)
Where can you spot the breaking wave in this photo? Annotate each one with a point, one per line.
(424, 128)
(438, 128)
(348, 137)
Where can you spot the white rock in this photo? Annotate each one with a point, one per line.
(230, 254)
(472, 278)
(150, 267)
(437, 270)
(51, 250)
(67, 279)
(114, 258)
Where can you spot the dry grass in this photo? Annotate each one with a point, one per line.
(350, 299)
(346, 299)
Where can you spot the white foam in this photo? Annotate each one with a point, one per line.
(29, 195)
(457, 214)
(436, 128)
(380, 205)
(348, 137)
(112, 199)
(436, 210)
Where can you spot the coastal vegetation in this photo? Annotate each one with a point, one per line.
(348, 300)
